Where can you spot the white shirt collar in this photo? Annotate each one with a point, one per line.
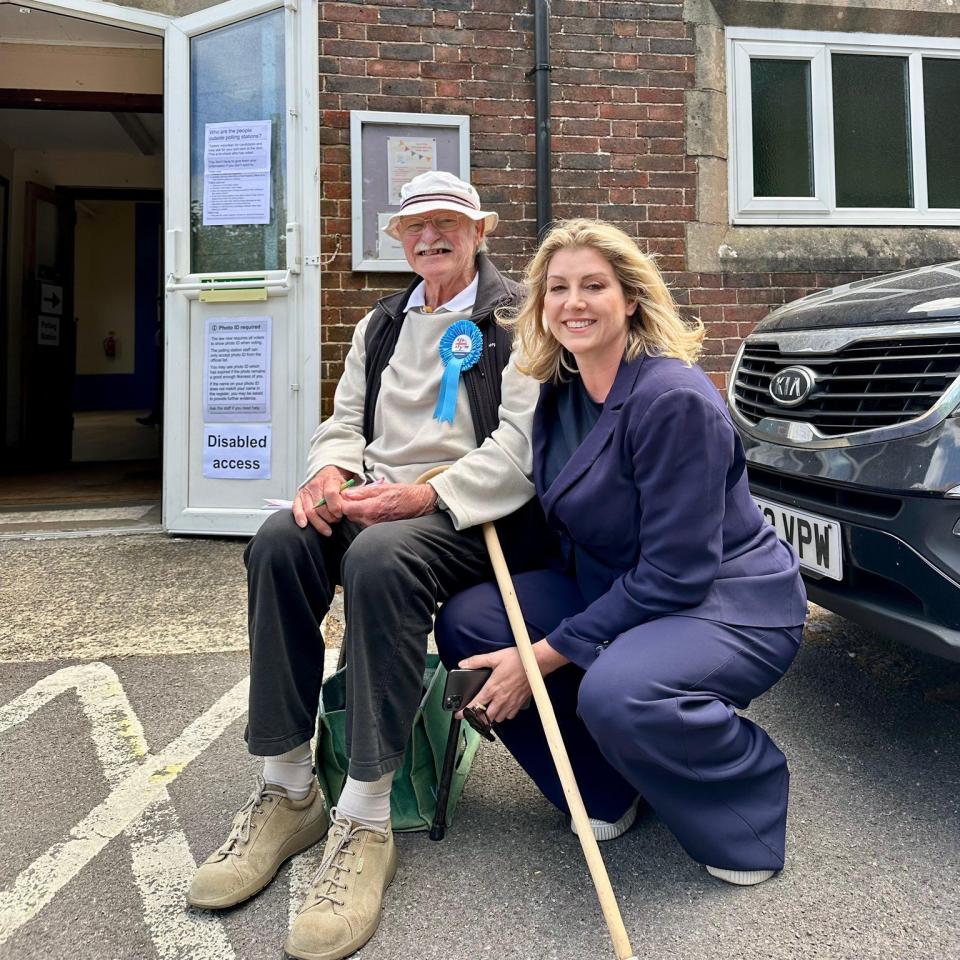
(461, 303)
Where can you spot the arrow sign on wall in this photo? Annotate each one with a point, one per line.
(51, 298)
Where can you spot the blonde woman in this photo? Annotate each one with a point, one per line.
(674, 603)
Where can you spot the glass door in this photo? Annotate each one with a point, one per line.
(241, 262)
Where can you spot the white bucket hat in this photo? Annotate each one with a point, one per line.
(438, 190)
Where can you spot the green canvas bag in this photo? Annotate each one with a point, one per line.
(413, 799)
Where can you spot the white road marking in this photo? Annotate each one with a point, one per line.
(139, 782)
(139, 805)
(163, 868)
(117, 733)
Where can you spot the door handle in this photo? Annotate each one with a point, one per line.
(278, 283)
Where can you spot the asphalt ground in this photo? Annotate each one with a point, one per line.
(122, 666)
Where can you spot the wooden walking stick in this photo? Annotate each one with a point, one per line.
(591, 851)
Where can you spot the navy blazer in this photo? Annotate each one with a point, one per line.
(655, 513)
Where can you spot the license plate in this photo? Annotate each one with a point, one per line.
(815, 540)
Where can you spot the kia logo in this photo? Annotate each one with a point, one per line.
(792, 385)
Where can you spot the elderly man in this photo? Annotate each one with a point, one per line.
(428, 381)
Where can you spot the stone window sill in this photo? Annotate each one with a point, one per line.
(718, 248)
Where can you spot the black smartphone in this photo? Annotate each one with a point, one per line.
(462, 686)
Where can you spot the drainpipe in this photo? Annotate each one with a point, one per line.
(541, 9)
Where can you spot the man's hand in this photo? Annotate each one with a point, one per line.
(378, 503)
(324, 485)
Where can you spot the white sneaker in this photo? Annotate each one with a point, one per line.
(742, 878)
(604, 830)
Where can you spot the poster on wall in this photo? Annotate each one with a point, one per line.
(234, 451)
(236, 369)
(406, 159)
(236, 173)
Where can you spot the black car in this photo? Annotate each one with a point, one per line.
(848, 403)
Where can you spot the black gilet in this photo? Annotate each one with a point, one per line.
(482, 381)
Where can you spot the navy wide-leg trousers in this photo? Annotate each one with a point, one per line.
(653, 714)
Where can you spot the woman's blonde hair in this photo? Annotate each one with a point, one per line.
(655, 327)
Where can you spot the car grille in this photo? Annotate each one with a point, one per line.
(780, 486)
(866, 385)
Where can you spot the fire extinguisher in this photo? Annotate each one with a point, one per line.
(110, 345)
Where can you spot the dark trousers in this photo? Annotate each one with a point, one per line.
(393, 576)
(654, 714)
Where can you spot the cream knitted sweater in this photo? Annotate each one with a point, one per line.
(483, 483)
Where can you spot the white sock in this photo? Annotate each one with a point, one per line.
(292, 770)
(367, 800)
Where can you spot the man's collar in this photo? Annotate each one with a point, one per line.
(461, 303)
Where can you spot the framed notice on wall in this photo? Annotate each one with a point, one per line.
(387, 150)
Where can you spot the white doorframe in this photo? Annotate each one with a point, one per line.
(110, 14)
(303, 227)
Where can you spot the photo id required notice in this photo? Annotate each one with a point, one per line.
(236, 451)
(236, 369)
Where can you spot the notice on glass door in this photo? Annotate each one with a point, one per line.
(236, 369)
(236, 173)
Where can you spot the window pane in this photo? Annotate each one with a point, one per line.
(871, 121)
(941, 95)
(237, 74)
(782, 142)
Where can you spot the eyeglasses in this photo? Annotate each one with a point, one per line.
(444, 223)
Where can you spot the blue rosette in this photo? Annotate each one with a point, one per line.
(460, 348)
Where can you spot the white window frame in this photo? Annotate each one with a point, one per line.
(745, 44)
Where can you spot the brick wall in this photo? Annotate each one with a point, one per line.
(620, 69)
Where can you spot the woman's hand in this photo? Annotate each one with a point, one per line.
(506, 689)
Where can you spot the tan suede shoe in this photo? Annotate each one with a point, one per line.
(342, 909)
(269, 829)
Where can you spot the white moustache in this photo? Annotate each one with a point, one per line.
(438, 245)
